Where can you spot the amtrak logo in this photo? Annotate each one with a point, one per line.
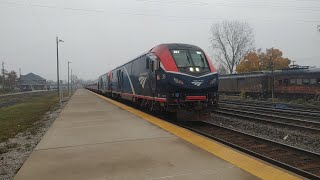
(143, 78)
(197, 82)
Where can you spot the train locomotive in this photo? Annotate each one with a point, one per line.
(174, 78)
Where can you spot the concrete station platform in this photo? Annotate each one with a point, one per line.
(97, 138)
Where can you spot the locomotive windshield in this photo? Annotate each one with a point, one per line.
(189, 58)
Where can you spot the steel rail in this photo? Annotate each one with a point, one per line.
(269, 143)
(263, 110)
(289, 108)
(301, 124)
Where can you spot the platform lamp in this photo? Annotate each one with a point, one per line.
(69, 78)
(58, 80)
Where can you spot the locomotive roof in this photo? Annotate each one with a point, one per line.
(181, 46)
(170, 46)
(268, 73)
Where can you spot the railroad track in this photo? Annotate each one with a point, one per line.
(289, 113)
(296, 109)
(299, 161)
(270, 118)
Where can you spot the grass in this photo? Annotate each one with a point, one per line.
(22, 115)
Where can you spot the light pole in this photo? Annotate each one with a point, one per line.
(69, 78)
(71, 81)
(58, 80)
(3, 76)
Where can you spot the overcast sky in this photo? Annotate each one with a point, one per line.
(102, 34)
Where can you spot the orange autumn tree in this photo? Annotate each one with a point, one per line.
(249, 63)
(257, 60)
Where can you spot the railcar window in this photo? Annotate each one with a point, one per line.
(286, 82)
(280, 82)
(306, 81)
(293, 81)
(313, 81)
(299, 81)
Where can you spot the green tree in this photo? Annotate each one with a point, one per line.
(11, 79)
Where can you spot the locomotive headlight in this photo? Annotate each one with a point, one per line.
(197, 69)
(213, 81)
(191, 69)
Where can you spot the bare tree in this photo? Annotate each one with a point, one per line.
(230, 41)
(222, 70)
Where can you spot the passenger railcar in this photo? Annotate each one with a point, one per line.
(169, 77)
(285, 83)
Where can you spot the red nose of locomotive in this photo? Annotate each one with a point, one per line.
(186, 73)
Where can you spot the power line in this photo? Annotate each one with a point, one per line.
(159, 15)
(232, 5)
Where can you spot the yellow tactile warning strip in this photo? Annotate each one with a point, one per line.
(247, 163)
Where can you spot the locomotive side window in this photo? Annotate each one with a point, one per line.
(152, 66)
(155, 63)
(147, 63)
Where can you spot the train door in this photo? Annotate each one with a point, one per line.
(154, 68)
(109, 82)
(120, 80)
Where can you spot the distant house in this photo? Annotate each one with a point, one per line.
(32, 82)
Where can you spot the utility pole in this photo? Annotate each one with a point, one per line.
(19, 72)
(3, 76)
(273, 78)
(69, 79)
(58, 80)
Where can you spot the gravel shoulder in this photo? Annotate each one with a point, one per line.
(290, 136)
(15, 151)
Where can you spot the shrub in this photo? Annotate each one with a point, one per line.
(243, 94)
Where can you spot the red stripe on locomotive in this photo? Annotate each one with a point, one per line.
(165, 57)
